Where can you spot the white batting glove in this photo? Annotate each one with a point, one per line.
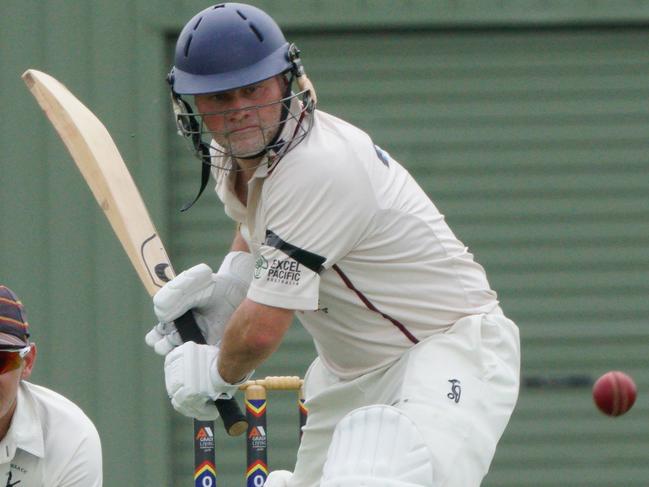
(278, 478)
(193, 381)
(212, 297)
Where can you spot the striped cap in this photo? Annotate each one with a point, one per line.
(14, 329)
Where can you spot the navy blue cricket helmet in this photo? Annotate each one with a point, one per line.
(228, 46)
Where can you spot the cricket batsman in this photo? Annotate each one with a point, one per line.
(417, 368)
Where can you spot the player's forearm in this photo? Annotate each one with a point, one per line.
(253, 333)
(241, 351)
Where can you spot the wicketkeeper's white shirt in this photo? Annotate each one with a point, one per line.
(344, 235)
(50, 443)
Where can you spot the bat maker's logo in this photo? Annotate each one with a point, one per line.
(161, 271)
(456, 390)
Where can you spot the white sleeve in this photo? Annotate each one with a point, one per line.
(314, 214)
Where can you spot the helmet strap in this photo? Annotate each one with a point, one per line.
(187, 124)
(205, 177)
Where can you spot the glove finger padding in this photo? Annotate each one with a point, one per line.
(163, 337)
(182, 293)
(193, 381)
(153, 336)
(213, 298)
(187, 379)
(187, 371)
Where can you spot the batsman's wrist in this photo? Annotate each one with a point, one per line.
(221, 386)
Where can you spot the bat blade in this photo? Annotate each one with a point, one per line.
(97, 157)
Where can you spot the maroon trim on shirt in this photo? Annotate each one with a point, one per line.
(402, 328)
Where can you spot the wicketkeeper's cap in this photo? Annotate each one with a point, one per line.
(14, 329)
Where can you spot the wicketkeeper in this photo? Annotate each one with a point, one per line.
(417, 371)
(45, 439)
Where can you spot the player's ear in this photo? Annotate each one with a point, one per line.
(29, 359)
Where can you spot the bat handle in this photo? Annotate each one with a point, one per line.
(234, 421)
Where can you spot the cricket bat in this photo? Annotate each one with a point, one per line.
(97, 157)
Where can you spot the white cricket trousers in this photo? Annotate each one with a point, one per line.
(459, 387)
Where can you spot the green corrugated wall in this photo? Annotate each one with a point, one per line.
(525, 121)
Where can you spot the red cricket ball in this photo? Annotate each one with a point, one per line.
(614, 393)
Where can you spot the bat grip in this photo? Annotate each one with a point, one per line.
(234, 421)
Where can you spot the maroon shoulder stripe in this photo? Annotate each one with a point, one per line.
(402, 328)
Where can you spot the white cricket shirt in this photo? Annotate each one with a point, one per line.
(50, 443)
(343, 234)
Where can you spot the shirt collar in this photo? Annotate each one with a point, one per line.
(25, 431)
